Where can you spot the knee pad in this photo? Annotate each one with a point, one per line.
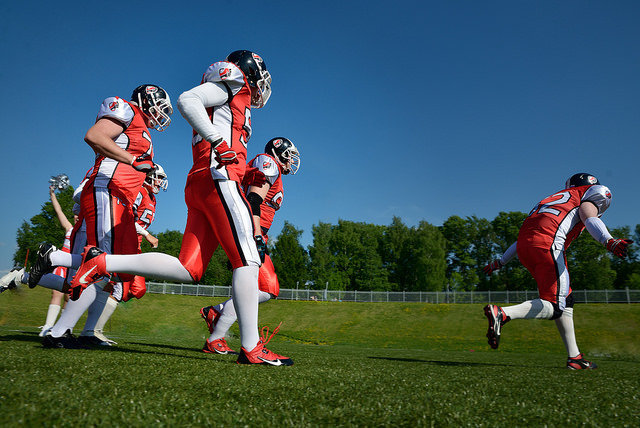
(557, 312)
(569, 301)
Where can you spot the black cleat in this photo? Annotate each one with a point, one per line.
(42, 265)
(579, 363)
(496, 319)
(66, 341)
(92, 341)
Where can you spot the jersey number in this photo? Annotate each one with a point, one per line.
(545, 208)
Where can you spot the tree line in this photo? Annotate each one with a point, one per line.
(362, 256)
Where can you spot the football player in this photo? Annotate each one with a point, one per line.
(542, 241)
(102, 309)
(281, 157)
(124, 155)
(219, 111)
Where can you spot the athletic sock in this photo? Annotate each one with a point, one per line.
(245, 300)
(61, 258)
(150, 265)
(567, 332)
(52, 315)
(74, 309)
(228, 316)
(94, 312)
(225, 321)
(109, 309)
(537, 308)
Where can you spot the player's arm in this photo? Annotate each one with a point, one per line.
(101, 137)
(596, 228)
(64, 221)
(507, 256)
(145, 233)
(255, 197)
(194, 102)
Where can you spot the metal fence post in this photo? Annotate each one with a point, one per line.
(489, 296)
(628, 297)
(606, 296)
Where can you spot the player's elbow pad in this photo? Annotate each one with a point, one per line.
(255, 201)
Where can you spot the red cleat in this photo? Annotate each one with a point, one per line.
(93, 268)
(210, 316)
(579, 363)
(261, 355)
(218, 346)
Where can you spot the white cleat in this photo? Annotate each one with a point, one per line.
(12, 280)
(44, 330)
(102, 337)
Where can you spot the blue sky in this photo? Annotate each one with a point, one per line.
(417, 109)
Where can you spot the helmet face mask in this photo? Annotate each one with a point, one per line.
(156, 180)
(286, 153)
(581, 179)
(155, 104)
(255, 70)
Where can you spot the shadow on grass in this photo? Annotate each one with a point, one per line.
(448, 363)
(195, 354)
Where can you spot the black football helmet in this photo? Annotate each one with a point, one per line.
(581, 179)
(285, 152)
(155, 103)
(255, 70)
(157, 179)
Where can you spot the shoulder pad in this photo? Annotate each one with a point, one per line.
(116, 108)
(600, 196)
(224, 71)
(267, 165)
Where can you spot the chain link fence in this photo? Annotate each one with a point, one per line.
(580, 296)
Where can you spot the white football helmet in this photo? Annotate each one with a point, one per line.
(157, 179)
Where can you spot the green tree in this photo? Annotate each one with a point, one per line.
(589, 265)
(394, 238)
(423, 266)
(469, 248)
(289, 258)
(513, 276)
(43, 227)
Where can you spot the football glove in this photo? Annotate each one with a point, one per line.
(143, 163)
(262, 247)
(254, 177)
(492, 267)
(619, 246)
(224, 154)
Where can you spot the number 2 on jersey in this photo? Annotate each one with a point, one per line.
(544, 208)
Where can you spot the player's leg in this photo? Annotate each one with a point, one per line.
(99, 215)
(231, 218)
(226, 317)
(55, 306)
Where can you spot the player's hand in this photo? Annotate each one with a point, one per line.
(619, 246)
(143, 163)
(254, 177)
(224, 154)
(262, 247)
(152, 240)
(492, 267)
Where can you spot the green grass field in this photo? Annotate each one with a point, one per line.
(356, 364)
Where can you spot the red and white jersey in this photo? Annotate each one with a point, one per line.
(122, 179)
(232, 120)
(273, 201)
(555, 221)
(144, 208)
